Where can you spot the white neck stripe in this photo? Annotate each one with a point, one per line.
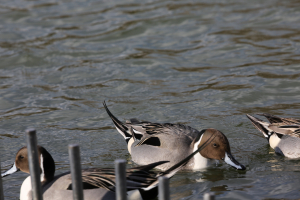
(199, 161)
(197, 143)
(42, 167)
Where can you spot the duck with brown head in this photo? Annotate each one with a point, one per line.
(98, 184)
(149, 142)
(218, 148)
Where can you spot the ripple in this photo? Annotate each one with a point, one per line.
(170, 52)
(9, 135)
(68, 98)
(49, 88)
(88, 86)
(213, 86)
(5, 86)
(194, 69)
(45, 5)
(275, 109)
(273, 75)
(85, 128)
(5, 77)
(28, 111)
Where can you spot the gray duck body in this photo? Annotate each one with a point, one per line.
(149, 142)
(166, 141)
(288, 146)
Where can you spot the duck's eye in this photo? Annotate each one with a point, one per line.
(215, 145)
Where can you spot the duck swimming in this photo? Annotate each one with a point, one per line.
(149, 142)
(98, 183)
(283, 134)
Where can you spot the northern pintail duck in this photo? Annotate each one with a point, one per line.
(152, 142)
(283, 134)
(97, 183)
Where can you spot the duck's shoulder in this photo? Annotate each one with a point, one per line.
(156, 128)
(292, 130)
(174, 130)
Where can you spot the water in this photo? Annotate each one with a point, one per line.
(205, 64)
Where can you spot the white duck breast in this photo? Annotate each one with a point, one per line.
(151, 142)
(199, 161)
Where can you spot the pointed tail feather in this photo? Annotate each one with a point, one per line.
(122, 129)
(260, 125)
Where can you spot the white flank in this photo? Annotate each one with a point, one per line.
(199, 161)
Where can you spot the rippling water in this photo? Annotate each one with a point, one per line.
(205, 64)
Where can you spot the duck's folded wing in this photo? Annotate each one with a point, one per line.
(98, 180)
(280, 120)
(161, 132)
(136, 178)
(292, 130)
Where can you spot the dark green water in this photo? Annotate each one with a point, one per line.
(202, 63)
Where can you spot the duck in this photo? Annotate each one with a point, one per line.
(149, 142)
(283, 134)
(98, 183)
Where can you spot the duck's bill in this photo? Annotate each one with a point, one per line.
(229, 159)
(12, 170)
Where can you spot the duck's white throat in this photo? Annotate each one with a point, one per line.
(199, 161)
(26, 193)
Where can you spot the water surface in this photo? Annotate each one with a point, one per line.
(205, 64)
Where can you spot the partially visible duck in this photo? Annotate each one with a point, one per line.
(97, 183)
(149, 142)
(283, 134)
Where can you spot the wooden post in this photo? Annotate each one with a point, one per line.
(34, 166)
(163, 188)
(120, 171)
(74, 156)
